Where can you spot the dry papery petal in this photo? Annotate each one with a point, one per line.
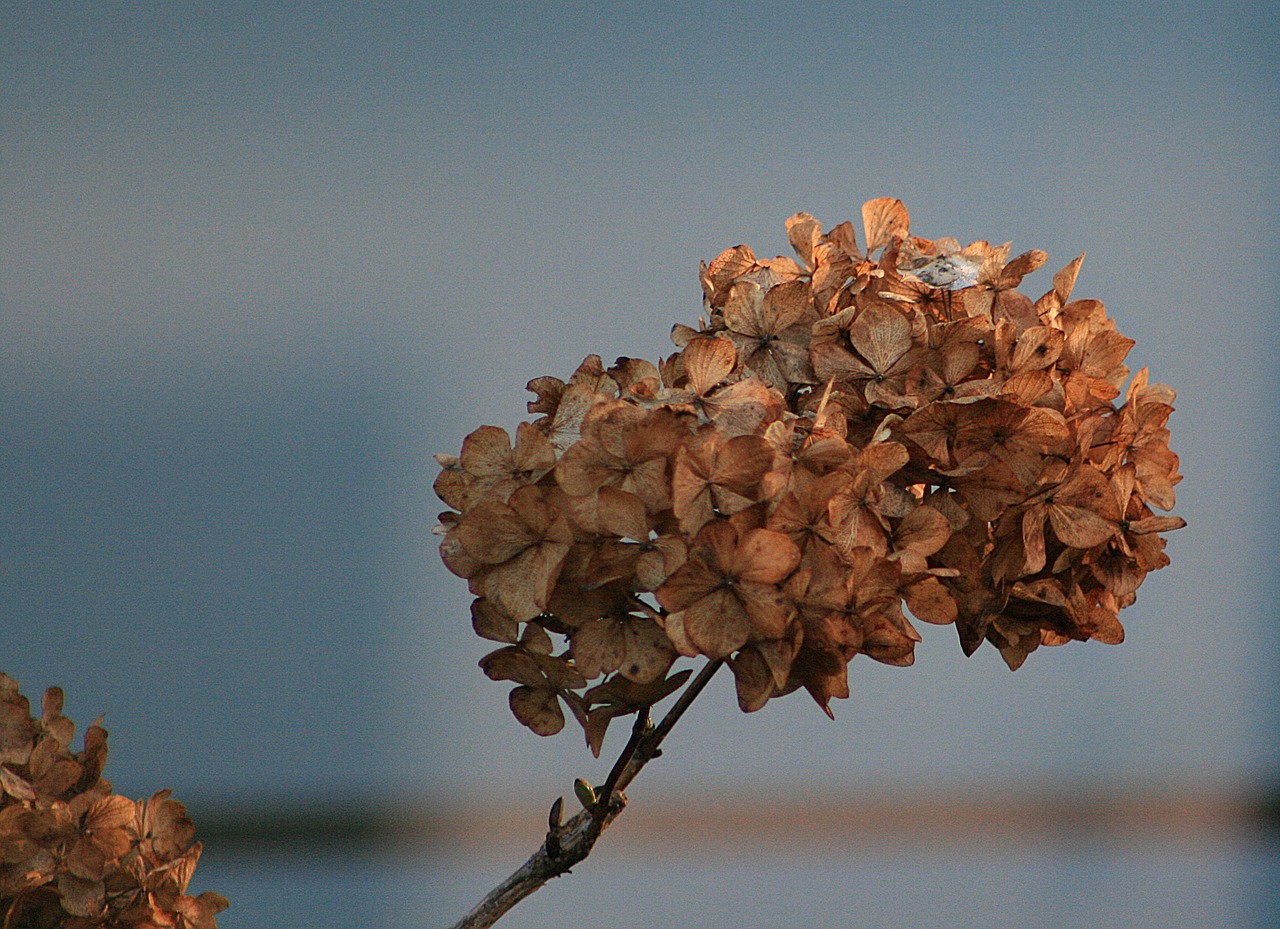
(839, 438)
(885, 220)
(538, 708)
(16, 725)
(717, 476)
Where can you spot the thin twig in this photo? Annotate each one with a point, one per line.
(568, 844)
(650, 745)
(643, 726)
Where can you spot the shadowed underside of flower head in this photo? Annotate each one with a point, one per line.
(851, 439)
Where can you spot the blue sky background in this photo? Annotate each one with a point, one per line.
(258, 262)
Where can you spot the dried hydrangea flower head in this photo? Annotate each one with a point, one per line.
(72, 853)
(858, 434)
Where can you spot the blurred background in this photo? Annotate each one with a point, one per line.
(259, 261)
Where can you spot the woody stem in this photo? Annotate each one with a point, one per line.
(643, 725)
(651, 741)
(568, 844)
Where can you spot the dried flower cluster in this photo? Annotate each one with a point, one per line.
(74, 855)
(861, 429)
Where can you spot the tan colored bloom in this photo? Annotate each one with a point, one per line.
(762, 669)
(633, 646)
(565, 405)
(624, 447)
(886, 221)
(620, 696)
(1122, 561)
(857, 509)
(843, 438)
(803, 514)
(73, 853)
(522, 543)
(542, 681)
(708, 387)
(1139, 436)
(716, 476)
(741, 264)
(995, 293)
(490, 467)
(1081, 511)
(728, 589)
(771, 330)
(919, 534)
(869, 351)
(1019, 436)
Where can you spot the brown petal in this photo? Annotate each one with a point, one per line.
(832, 361)
(882, 459)
(109, 813)
(535, 640)
(1084, 511)
(1118, 572)
(512, 664)
(766, 557)
(1079, 527)
(767, 607)
(881, 335)
(13, 785)
(889, 639)
(53, 770)
(80, 896)
(565, 426)
(16, 725)
(717, 624)
(924, 531)
(990, 490)
(538, 708)
(1033, 539)
(752, 679)
(884, 219)
(932, 427)
(534, 452)
(1020, 267)
(455, 556)
(649, 653)
(598, 646)
(929, 600)
(522, 586)
(492, 532)
(744, 407)
(744, 309)
(804, 232)
(1043, 429)
(786, 305)
(1104, 353)
(51, 717)
(708, 361)
(1107, 628)
(1156, 524)
(690, 583)
(1036, 348)
(490, 622)
(741, 462)
(1065, 280)
(622, 514)
(486, 450)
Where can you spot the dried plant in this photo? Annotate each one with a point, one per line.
(73, 855)
(865, 429)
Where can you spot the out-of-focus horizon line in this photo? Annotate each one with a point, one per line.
(743, 819)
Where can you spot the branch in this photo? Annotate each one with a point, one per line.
(650, 746)
(569, 843)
